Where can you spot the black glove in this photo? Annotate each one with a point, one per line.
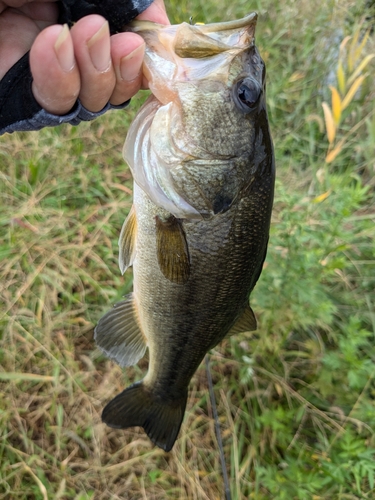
(118, 13)
(18, 107)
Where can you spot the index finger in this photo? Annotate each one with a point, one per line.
(155, 13)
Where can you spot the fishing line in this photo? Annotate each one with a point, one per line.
(217, 430)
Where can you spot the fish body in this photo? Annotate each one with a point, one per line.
(202, 159)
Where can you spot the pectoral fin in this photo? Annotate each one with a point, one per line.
(118, 334)
(172, 250)
(127, 241)
(245, 323)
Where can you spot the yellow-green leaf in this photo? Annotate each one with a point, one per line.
(343, 44)
(322, 197)
(360, 68)
(352, 91)
(341, 77)
(329, 121)
(336, 105)
(358, 50)
(331, 155)
(351, 52)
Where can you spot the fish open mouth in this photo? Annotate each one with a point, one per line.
(236, 24)
(199, 40)
(176, 53)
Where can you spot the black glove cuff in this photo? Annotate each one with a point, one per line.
(16, 98)
(117, 12)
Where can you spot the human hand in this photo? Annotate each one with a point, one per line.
(85, 62)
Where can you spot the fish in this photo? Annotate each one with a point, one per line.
(201, 155)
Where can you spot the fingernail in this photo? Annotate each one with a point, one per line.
(130, 65)
(64, 50)
(100, 48)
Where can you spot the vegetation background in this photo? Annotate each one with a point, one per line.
(296, 399)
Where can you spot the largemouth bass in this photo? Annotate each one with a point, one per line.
(202, 159)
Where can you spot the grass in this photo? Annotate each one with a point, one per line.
(295, 399)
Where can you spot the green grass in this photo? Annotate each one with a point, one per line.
(296, 398)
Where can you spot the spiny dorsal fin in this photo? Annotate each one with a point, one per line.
(127, 241)
(245, 323)
(172, 250)
(118, 334)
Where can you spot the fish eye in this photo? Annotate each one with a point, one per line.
(247, 94)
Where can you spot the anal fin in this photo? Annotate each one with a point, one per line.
(118, 334)
(245, 323)
(172, 250)
(127, 241)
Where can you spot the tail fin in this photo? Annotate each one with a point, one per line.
(137, 405)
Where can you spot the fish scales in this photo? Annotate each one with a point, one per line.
(202, 159)
(198, 320)
(226, 137)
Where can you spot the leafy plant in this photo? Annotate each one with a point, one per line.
(351, 76)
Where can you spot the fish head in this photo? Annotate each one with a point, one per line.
(183, 54)
(209, 84)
